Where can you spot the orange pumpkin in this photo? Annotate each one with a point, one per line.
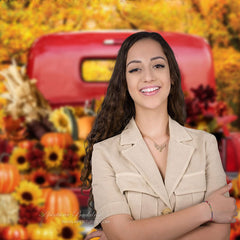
(85, 124)
(9, 177)
(16, 232)
(58, 203)
(51, 139)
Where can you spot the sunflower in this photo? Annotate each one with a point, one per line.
(60, 120)
(28, 193)
(39, 177)
(19, 158)
(74, 178)
(68, 227)
(53, 156)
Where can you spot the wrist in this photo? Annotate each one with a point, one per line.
(211, 210)
(207, 213)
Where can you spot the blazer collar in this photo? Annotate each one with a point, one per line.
(131, 133)
(179, 155)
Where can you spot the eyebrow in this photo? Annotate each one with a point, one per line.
(154, 58)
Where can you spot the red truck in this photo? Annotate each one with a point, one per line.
(70, 68)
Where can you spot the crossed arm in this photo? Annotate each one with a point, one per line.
(182, 225)
(186, 224)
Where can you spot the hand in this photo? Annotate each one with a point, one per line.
(98, 233)
(224, 208)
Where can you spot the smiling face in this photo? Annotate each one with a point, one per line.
(148, 76)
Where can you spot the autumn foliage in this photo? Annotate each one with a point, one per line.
(23, 21)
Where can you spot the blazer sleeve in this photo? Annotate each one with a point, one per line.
(108, 200)
(215, 174)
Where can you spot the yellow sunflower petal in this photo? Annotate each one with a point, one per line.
(19, 158)
(27, 193)
(60, 121)
(53, 156)
(68, 227)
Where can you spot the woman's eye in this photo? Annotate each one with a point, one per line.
(134, 70)
(159, 66)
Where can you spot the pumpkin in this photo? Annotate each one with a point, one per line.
(9, 209)
(42, 231)
(16, 232)
(59, 202)
(9, 177)
(85, 124)
(51, 139)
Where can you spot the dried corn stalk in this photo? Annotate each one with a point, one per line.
(24, 99)
(9, 209)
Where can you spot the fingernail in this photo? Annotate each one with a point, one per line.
(230, 185)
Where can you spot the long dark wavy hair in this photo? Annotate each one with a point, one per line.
(118, 107)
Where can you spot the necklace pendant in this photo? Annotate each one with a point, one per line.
(160, 148)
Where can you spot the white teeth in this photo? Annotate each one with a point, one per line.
(149, 89)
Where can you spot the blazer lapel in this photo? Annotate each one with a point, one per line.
(137, 152)
(179, 155)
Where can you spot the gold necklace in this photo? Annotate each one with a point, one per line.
(159, 147)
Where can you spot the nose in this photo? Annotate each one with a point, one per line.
(148, 75)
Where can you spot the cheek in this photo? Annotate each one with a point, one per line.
(132, 87)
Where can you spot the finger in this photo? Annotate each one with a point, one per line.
(93, 234)
(225, 189)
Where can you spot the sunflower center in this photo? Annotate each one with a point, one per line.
(21, 160)
(40, 180)
(53, 156)
(67, 233)
(63, 122)
(27, 196)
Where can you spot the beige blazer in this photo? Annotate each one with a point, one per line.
(126, 179)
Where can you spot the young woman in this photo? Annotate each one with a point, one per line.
(152, 178)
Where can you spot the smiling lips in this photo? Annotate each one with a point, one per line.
(149, 91)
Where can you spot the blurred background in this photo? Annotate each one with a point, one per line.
(23, 22)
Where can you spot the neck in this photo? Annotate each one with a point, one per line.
(153, 124)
